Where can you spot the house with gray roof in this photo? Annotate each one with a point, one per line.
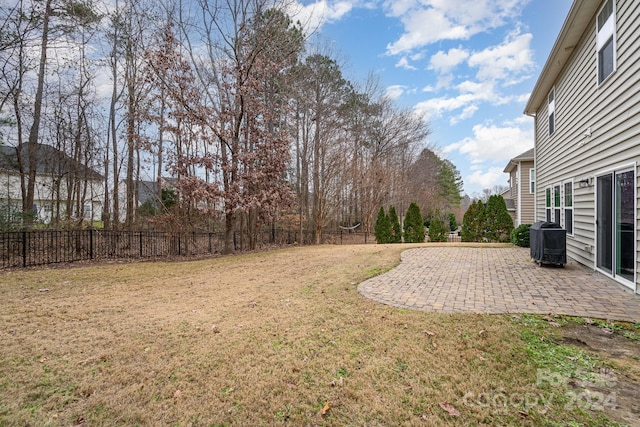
(519, 196)
(59, 180)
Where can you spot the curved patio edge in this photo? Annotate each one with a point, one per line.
(497, 280)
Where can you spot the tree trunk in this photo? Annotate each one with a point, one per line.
(131, 145)
(229, 246)
(27, 205)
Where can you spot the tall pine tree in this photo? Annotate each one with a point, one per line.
(396, 231)
(383, 227)
(437, 230)
(413, 225)
(473, 223)
(498, 222)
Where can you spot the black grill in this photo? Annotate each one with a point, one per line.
(548, 243)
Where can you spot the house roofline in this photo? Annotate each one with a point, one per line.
(579, 17)
(524, 157)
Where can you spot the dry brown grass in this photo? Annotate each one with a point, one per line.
(262, 339)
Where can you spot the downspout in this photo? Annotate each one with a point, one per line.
(519, 195)
(535, 164)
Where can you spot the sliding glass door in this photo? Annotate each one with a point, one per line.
(615, 224)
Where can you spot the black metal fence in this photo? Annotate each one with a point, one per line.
(42, 247)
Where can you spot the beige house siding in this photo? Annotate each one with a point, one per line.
(526, 197)
(519, 188)
(611, 112)
(46, 196)
(513, 193)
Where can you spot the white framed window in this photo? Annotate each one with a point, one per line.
(532, 181)
(568, 207)
(557, 203)
(551, 111)
(547, 195)
(606, 40)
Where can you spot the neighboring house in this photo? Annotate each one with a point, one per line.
(56, 172)
(519, 197)
(587, 136)
(146, 192)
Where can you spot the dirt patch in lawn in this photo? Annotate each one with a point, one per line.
(616, 389)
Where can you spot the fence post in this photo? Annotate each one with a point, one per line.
(140, 249)
(179, 244)
(91, 243)
(24, 249)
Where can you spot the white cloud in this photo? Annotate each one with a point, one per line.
(423, 27)
(444, 81)
(494, 144)
(487, 178)
(316, 14)
(520, 120)
(444, 62)
(429, 21)
(435, 108)
(395, 91)
(467, 113)
(404, 63)
(483, 90)
(470, 94)
(400, 7)
(509, 59)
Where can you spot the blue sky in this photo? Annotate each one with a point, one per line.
(469, 65)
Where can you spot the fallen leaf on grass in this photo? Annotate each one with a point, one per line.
(450, 409)
(429, 333)
(325, 409)
(44, 290)
(607, 331)
(177, 394)
(588, 320)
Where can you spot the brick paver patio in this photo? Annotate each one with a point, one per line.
(498, 280)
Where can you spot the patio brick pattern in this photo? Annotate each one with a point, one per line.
(498, 280)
